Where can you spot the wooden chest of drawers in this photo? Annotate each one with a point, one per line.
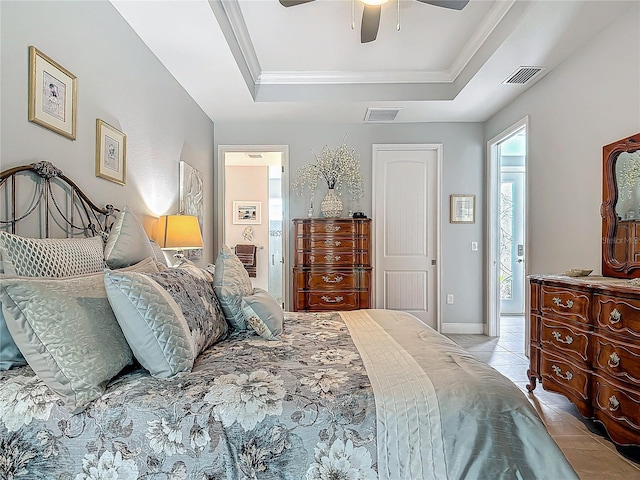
(585, 344)
(332, 264)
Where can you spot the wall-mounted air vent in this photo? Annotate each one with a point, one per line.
(381, 114)
(254, 155)
(523, 75)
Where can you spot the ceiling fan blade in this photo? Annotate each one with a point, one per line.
(370, 23)
(453, 4)
(293, 3)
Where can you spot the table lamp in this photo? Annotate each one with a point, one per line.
(178, 232)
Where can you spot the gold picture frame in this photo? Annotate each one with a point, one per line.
(111, 153)
(463, 208)
(53, 94)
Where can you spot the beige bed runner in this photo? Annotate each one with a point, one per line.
(410, 444)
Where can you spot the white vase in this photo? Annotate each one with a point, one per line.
(331, 206)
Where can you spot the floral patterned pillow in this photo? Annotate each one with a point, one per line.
(199, 305)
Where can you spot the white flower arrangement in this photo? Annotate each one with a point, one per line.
(339, 168)
(628, 173)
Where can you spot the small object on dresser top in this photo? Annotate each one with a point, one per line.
(578, 272)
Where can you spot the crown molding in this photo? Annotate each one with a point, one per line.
(235, 18)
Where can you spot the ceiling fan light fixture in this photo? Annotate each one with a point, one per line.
(374, 2)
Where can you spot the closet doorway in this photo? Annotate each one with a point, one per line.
(252, 212)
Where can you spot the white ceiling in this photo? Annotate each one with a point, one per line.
(255, 60)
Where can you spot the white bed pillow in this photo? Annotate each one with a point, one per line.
(231, 282)
(127, 243)
(66, 330)
(263, 314)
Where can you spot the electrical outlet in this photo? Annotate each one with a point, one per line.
(474, 246)
(450, 298)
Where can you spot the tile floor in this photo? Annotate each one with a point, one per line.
(592, 455)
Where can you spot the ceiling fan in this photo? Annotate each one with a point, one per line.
(371, 13)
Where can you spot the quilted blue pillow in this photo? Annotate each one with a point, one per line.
(35, 257)
(168, 318)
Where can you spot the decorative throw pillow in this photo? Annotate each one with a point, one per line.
(10, 355)
(158, 254)
(198, 304)
(51, 257)
(231, 282)
(34, 257)
(152, 323)
(128, 243)
(263, 314)
(148, 265)
(68, 333)
(194, 270)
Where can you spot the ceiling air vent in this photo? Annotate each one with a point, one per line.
(523, 75)
(381, 114)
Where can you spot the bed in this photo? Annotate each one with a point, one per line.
(342, 395)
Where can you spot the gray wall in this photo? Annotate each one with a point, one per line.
(589, 101)
(119, 81)
(463, 144)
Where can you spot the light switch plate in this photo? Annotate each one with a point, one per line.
(474, 246)
(450, 298)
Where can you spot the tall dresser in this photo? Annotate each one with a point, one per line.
(585, 344)
(332, 265)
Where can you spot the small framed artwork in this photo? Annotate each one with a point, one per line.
(247, 212)
(52, 94)
(463, 209)
(111, 155)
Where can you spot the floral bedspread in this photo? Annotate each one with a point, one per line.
(298, 408)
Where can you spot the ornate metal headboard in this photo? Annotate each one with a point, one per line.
(54, 198)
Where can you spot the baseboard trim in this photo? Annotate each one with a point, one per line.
(462, 328)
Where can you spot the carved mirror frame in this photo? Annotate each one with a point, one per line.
(620, 239)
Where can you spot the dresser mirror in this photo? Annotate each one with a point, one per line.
(620, 208)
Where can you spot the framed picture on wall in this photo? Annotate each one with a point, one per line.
(111, 157)
(463, 209)
(247, 212)
(52, 94)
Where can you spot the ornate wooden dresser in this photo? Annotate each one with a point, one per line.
(332, 265)
(585, 344)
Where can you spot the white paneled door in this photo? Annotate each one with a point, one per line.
(406, 219)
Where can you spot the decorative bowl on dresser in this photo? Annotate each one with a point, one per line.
(332, 264)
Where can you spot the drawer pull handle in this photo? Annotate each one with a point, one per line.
(327, 299)
(614, 360)
(558, 336)
(331, 258)
(568, 376)
(335, 279)
(331, 228)
(614, 404)
(331, 243)
(615, 316)
(559, 303)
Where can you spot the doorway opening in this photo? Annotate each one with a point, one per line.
(252, 213)
(507, 219)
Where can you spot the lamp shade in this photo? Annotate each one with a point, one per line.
(178, 232)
